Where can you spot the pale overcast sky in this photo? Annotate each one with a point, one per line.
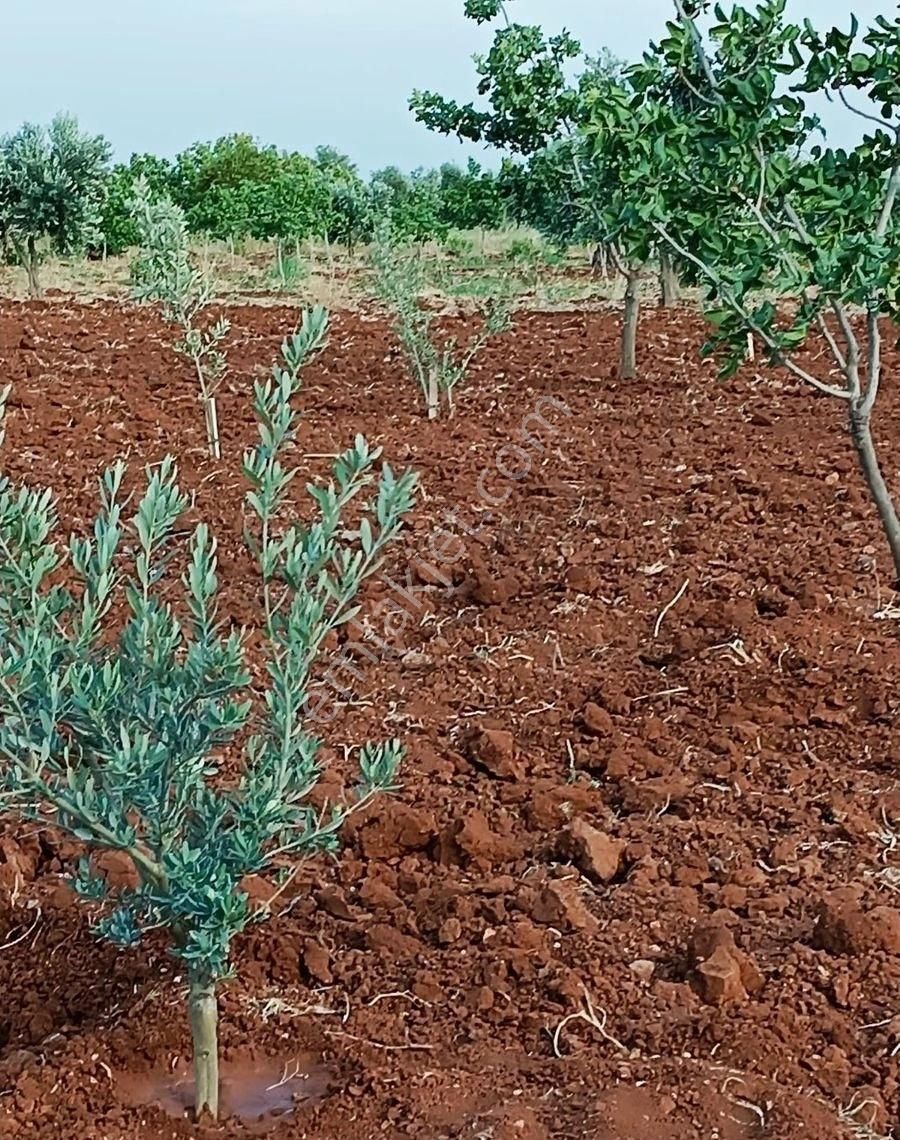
(157, 75)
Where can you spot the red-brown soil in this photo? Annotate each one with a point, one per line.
(691, 830)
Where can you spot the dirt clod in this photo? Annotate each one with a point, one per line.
(597, 720)
(592, 851)
(722, 972)
(317, 963)
(845, 927)
(560, 904)
(495, 750)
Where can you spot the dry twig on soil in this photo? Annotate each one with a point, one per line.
(590, 1016)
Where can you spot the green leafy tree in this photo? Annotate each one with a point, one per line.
(205, 170)
(237, 188)
(336, 166)
(437, 362)
(350, 213)
(535, 112)
(163, 272)
(471, 198)
(118, 228)
(291, 204)
(411, 205)
(51, 191)
(523, 79)
(113, 730)
(718, 153)
(295, 205)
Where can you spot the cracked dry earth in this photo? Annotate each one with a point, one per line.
(678, 822)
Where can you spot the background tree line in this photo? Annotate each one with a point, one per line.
(60, 190)
(236, 188)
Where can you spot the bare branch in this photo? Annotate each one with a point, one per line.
(850, 362)
(617, 260)
(807, 377)
(697, 93)
(760, 198)
(851, 370)
(826, 332)
(874, 371)
(797, 222)
(702, 58)
(856, 111)
(792, 262)
(763, 334)
(890, 198)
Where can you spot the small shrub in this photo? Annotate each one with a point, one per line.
(458, 246)
(163, 272)
(526, 251)
(437, 365)
(289, 269)
(114, 731)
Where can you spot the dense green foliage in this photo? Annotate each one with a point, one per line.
(558, 181)
(236, 188)
(51, 187)
(533, 111)
(118, 230)
(792, 216)
(715, 150)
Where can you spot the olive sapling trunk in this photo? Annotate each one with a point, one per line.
(204, 1017)
(628, 362)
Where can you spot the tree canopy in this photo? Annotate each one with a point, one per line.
(52, 183)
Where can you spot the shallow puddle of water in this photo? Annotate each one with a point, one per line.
(259, 1091)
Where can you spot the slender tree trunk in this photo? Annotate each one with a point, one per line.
(861, 433)
(31, 267)
(628, 361)
(433, 398)
(204, 1033)
(210, 412)
(212, 427)
(668, 280)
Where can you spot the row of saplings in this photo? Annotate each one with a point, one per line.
(113, 730)
(110, 729)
